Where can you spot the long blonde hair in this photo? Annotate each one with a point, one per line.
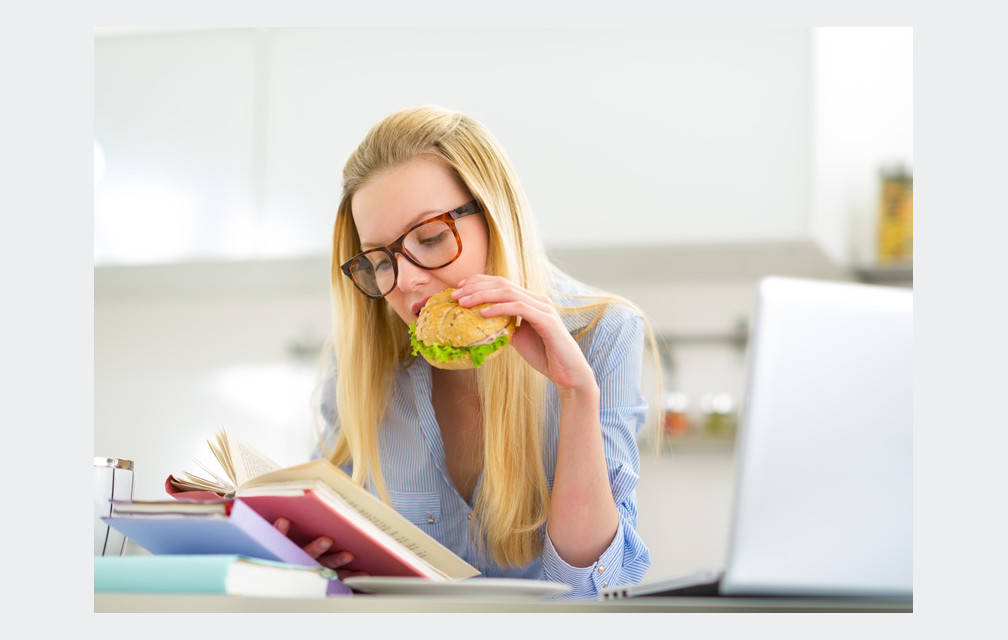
(369, 342)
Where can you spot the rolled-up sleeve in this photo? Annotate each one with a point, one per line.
(623, 562)
(616, 355)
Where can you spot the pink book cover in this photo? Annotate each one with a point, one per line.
(312, 516)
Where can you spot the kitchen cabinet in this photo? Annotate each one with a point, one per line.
(229, 144)
(619, 136)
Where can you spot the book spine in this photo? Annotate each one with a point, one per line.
(163, 574)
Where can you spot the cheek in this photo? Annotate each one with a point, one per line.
(465, 266)
(474, 258)
(397, 301)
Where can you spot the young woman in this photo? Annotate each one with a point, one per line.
(528, 465)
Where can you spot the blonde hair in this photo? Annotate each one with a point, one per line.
(369, 342)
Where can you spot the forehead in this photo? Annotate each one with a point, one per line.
(399, 197)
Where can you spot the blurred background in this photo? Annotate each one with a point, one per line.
(673, 166)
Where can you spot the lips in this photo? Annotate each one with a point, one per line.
(419, 305)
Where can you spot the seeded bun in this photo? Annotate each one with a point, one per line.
(450, 336)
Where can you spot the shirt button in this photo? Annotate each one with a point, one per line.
(468, 516)
(605, 584)
(601, 568)
(430, 519)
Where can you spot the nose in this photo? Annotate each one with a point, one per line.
(410, 277)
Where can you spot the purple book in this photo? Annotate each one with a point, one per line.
(177, 527)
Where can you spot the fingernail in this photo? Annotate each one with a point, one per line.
(345, 558)
(324, 544)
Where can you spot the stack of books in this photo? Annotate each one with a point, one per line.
(217, 536)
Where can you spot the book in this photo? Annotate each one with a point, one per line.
(221, 526)
(228, 574)
(318, 499)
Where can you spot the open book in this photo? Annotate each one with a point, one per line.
(320, 499)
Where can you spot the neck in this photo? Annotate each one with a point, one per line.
(460, 381)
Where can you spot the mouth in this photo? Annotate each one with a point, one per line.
(419, 305)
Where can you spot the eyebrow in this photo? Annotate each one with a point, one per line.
(423, 215)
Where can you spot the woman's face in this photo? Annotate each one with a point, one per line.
(396, 199)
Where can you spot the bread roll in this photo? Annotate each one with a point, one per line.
(444, 323)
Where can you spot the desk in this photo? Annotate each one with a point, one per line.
(173, 603)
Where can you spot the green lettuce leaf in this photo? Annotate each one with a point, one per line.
(445, 353)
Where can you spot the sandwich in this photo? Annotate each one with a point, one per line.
(450, 336)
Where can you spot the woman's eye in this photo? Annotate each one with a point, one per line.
(433, 240)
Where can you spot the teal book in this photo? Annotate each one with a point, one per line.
(213, 574)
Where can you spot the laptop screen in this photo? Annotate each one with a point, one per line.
(823, 499)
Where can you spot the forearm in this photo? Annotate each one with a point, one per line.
(583, 518)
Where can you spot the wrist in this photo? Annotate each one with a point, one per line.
(581, 394)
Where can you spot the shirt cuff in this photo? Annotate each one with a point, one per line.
(586, 581)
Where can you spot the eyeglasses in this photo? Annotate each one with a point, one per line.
(431, 244)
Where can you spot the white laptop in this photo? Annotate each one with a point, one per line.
(823, 498)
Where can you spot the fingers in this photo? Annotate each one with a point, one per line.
(484, 288)
(505, 297)
(335, 560)
(543, 340)
(319, 548)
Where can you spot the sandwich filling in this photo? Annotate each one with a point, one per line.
(477, 352)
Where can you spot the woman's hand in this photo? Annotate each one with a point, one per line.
(542, 339)
(319, 548)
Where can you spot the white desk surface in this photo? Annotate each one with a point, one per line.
(177, 603)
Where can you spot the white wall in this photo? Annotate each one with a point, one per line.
(176, 118)
(684, 508)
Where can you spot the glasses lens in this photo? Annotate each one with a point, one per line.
(373, 272)
(433, 244)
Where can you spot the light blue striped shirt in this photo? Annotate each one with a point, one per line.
(421, 489)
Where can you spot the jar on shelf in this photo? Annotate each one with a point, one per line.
(718, 416)
(677, 421)
(895, 217)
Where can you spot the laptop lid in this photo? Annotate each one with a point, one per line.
(823, 501)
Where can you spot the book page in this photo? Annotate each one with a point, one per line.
(246, 461)
(384, 517)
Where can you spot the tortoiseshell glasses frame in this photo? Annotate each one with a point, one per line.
(426, 244)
